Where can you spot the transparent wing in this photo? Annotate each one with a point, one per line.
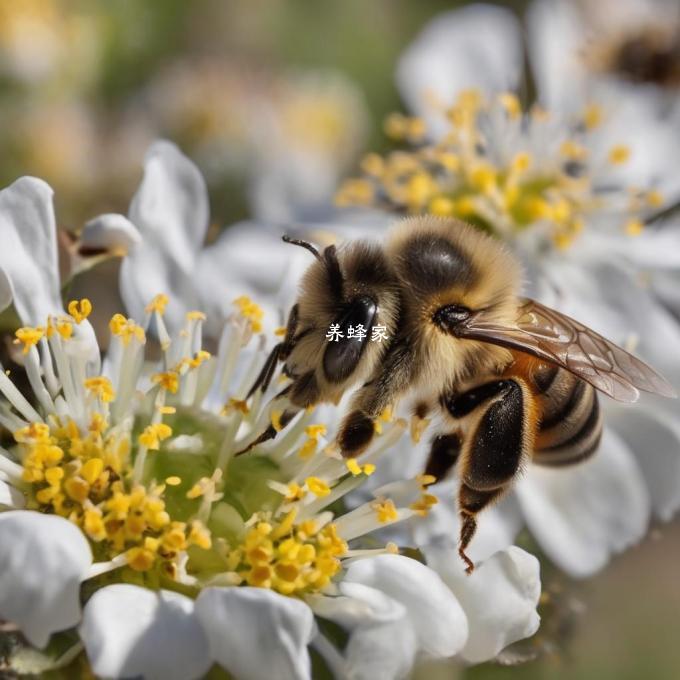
(561, 340)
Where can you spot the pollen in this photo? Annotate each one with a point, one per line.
(153, 435)
(620, 154)
(158, 304)
(385, 511)
(317, 486)
(173, 480)
(29, 337)
(288, 557)
(356, 469)
(80, 309)
(126, 329)
(101, 387)
(423, 505)
(250, 311)
(634, 227)
(168, 380)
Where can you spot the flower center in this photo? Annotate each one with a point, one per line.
(497, 168)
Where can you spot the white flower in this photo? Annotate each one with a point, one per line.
(571, 191)
(623, 49)
(164, 236)
(201, 555)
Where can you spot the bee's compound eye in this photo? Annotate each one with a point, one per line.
(450, 316)
(344, 350)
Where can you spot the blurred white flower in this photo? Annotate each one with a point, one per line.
(179, 540)
(291, 134)
(164, 238)
(618, 49)
(571, 191)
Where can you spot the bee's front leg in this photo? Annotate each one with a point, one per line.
(500, 437)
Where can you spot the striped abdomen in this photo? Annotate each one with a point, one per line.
(570, 422)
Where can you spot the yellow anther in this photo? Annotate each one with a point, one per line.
(167, 410)
(80, 309)
(441, 205)
(592, 116)
(484, 178)
(449, 161)
(140, 558)
(373, 164)
(153, 435)
(317, 486)
(195, 316)
(295, 493)
(419, 189)
(385, 510)
(655, 198)
(510, 103)
(315, 430)
(126, 329)
(423, 505)
(573, 151)
(168, 380)
(356, 469)
(77, 489)
(425, 480)
(634, 227)
(355, 192)
(415, 129)
(91, 470)
(392, 548)
(619, 154)
(29, 337)
(97, 424)
(280, 331)
(199, 535)
(236, 405)
(563, 240)
(93, 524)
(158, 304)
(396, 126)
(276, 420)
(54, 475)
(308, 449)
(521, 162)
(173, 480)
(250, 311)
(101, 387)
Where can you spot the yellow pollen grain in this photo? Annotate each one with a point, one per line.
(80, 309)
(442, 206)
(28, 337)
(167, 410)
(101, 387)
(619, 154)
(154, 434)
(173, 480)
(592, 116)
(167, 380)
(385, 511)
(317, 486)
(158, 304)
(634, 227)
(195, 316)
(655, 198)
(510, 103)
(315, 430)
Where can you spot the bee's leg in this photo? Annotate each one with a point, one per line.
(444, 452)
(279, 351)
(394, 378)
(500, 438)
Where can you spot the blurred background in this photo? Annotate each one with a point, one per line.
(275, 100)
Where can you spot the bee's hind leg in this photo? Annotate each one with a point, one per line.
(500, 438)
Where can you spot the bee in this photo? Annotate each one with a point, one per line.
(514, 380)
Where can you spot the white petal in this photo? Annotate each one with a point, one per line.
(433, 611)
(130, 631)
(43, 559)
(475, 47)
(499, 598)
(110, 232)
(497, 528)
(555, 40)
(10, 497)
(583, 514)
(170, 210)
(251, 629)
(654, 437)
(28, 257)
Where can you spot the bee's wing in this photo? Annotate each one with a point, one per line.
(560, 340)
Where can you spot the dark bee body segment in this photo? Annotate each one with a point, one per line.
(433, 263)
(570, 426)
(444, 452)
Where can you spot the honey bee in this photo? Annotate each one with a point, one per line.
(514, 380)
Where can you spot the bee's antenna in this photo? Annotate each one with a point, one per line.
(302, 244)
